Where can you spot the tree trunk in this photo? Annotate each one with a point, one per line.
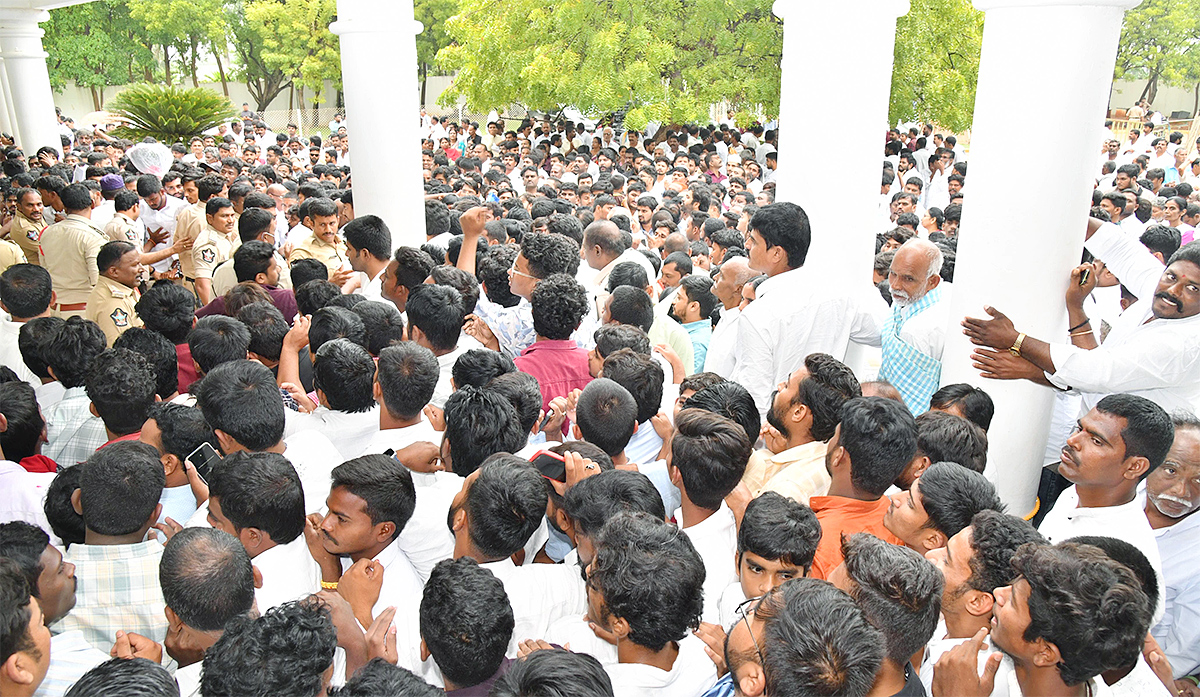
(424, 75)
(300, 99)
(166, 64)
(97, 102)
(292, 97)
(221, 70)
(195, 77)
(1196, 101)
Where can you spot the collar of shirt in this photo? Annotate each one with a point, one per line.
(132, 436)
(844, 504)
(86, 552)
(551, 345)
(808, 451)
(87, 221)
(115, 288)
(779, 279)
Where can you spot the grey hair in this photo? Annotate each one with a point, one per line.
(932, 253)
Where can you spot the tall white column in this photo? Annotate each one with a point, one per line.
(820, 128)
(7, 124)
(32, 103)
(379, 80)
(1057, 57)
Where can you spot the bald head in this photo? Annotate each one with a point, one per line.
(734, 274)
(675, 242)
(277, 190)
(917, 250)
(602, 243)
(915, 270)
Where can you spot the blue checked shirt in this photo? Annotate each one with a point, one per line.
(72, 432)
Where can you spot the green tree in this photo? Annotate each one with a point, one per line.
(186, 25)
(1158, 43)
(95, 45)
(295, 40)
(936, 63)
(433, 15)
(263, 81)
(663, 60)
(168, 113)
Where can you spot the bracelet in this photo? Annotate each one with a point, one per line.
(1192, 678)
(1078, 326)
(1015, 349)
(326, 585)
(1082, 333)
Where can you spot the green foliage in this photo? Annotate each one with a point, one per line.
(295, 39)
(187, 25)
(936, 63)
(665, 60)
(168, 113)
(1158, 42)
(95, 45)
(433, 14)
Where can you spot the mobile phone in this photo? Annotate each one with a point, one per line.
(1083, 277)
(203, 459)
(551, 465)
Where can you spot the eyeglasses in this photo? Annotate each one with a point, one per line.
(513, 270)
(742, 612)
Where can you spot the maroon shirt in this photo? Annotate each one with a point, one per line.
(282, 297)
(187, 367)
(559, 365)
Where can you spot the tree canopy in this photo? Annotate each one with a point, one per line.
(1158, 43)
(936, 63)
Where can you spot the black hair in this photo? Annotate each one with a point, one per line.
(25, 290)
(206, 578)
(378, 677)
(314, 295)
(65, 522)
(437, 218)
(631, 306)
(606, 415)
(523, 392)
(648, 573)
(614, 337)
(880, 435)
(169, 310)
(478, 367)
(345, 373)
(1088, 605)
(731, 400)
(260, 490)
(550, 253)
(25, 424)
(216, 340)
(182, 428)
(412, 266)
(32, 339)
(952, 495)
(465, 283)
(975, 404)
(438, 312)
(75, 197)
(818, 641)
(382, 322)
(505, 505)
(125, 677)
(776, 527)
(784, 225)
(15, 611)
(944, 437)
(371, 234)
(466, 621)
(1122, 552)
(253, 222)
(627, 273)
(681, 260)
(899, 592)
(492, 270)
(1148, 429)
(252, 258)
(70, 351)
(384, 485)
(559, 305)
(267, 329)
(478, 425)
(120, 487)
(554, 673)
(250, 658)
(639, 374)
(828, 385)
(1162, 239)
(303, 272)
(710, 452)
(24, 543)
(158, 352)
(331, 322)
(699, 289)
(122, 386)
(241, 399)
(408, 375)
(995, 537)
(210, 185)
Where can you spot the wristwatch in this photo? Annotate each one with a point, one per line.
(1015, 349)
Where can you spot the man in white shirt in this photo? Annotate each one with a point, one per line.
(734, 273)
(645, 589)
(795, 313)
(1170, 498)
(914, 332)
(435, 321)
(603, 250)
(707, 459)
(343, 375)
(369, 249)
(257, 498)
(25, 293)
(1118, 442)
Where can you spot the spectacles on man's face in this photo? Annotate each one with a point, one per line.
(743, 612)
(513, 270)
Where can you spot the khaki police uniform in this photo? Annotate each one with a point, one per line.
(333, 256)
(122, 228)
(189, 223)
(111, 305)
(68, 252)
(10, 253)
(26, 232)
(210, 250)
(225, 278)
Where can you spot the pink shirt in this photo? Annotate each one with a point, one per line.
(559, 365)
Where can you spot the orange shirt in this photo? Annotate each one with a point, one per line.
(839, 515)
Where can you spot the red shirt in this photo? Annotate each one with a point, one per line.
(560, 366)
(187, 368)
(839, 515)
(132, 436)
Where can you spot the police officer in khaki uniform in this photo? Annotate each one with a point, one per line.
(10, 254)
(214, 245)
(253, 224)
(190, 222)
(69, 249)
(323, 244)
(123, 227)
(27, 224)
(111, 304)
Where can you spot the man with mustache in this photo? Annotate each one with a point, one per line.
(1170, 499)
(915, 331)
(1152, 350)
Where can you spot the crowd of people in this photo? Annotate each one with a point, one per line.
(598, 434)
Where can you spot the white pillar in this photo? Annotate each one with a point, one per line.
(1057, 55)
(28, 79)
(7, 124)
(821, 129)
(379, 81)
